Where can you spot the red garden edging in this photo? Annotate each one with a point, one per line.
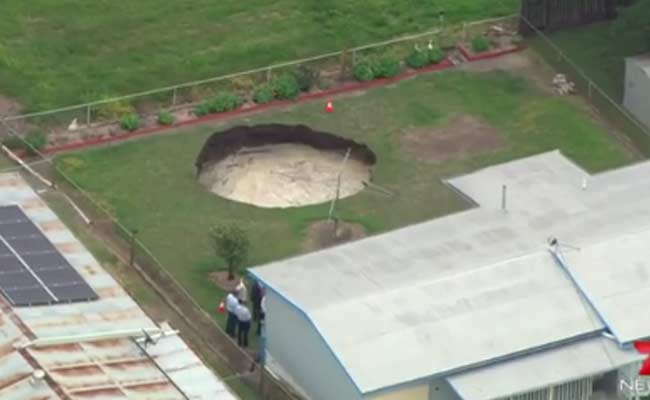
(471, 56)
(345, 88)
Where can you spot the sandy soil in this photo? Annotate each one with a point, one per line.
(462, 136)
(284, 175)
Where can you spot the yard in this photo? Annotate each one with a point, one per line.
(57, 53)
(603, 59)
(481, 118)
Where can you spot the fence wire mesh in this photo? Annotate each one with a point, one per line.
(611, 111)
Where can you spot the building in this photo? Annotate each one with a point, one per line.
(536, 294)
(637, 87)
(87, 349)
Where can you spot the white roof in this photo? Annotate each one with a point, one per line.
(538, 371)
(421, 296)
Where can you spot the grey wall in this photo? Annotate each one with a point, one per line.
(439, 389)
(293, 343)
(637, 91)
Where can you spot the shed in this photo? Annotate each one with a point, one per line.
(637, 87)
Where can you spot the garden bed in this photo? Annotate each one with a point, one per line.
(470, 55)
(107, 133)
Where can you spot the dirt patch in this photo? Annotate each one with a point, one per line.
(323, 234)
(220, 278)
(462, 136)
(9, 107)
(278, 166)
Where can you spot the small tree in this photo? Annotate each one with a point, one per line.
(231, 244)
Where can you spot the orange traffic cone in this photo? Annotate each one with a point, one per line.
(222, 307)
(330, 107)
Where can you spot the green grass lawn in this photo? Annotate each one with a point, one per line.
(55, 53)
(150, 183)
(600, 49)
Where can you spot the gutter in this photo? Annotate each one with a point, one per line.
(610, 332)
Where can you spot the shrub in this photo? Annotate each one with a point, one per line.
(386, 67)
(306, 77)
(202, 109)
(417, 59)
(115, 110)
(224, 101)
(166, 118)
(130, 122)
(35, 141)
(436, 55)
(242, 84)
(480, 44)
(263, 94)
(286, 87)
(363, 71)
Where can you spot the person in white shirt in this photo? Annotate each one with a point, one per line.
(242, 290)
(244, 317)
(231, 306)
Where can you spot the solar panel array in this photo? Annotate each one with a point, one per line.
(32, 270)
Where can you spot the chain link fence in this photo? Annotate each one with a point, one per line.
(611, 111)
(98, 119)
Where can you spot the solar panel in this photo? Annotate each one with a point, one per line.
(32, 271)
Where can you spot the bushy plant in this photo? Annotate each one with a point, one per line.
(435, 55)
(166, 118)
(115, 110)
(306, 77)
(363, 71)
(130, 122)
(480, 44)
(242, 84)
(263, 94)
(202, 109)
(224, 101)
(286, 87)
(36, 140)
(417, 59)
(386, 67)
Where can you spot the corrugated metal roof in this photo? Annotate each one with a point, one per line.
(108, 369)
(538, 371)
(453, 292)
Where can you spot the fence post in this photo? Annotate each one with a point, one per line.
(354, 58)
(268, 75)
(88, 114)
(132, 247)
(174, 97)
(464, 31)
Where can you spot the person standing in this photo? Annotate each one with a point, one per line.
(244, 318)
(256, 297)
(262, 316)
(242, 291)
(231, 306)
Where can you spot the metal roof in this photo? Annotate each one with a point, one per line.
(478, 286)
(80, 366)
(538, 371)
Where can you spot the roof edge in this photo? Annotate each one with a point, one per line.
(306, 317)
